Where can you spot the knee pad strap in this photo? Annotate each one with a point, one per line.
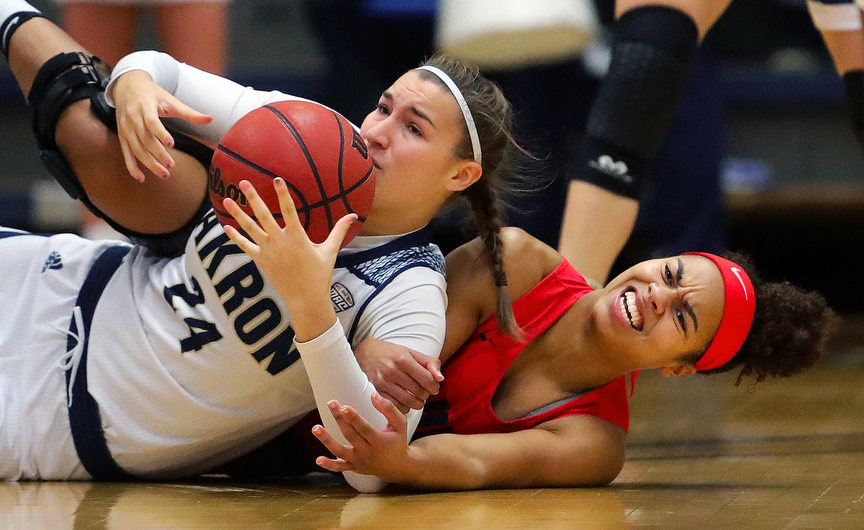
(62, 80)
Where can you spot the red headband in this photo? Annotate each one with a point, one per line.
(738, 310)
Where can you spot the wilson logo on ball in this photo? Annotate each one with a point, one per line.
(320, 155)
(216, 186)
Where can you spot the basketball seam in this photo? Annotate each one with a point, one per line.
(342, 194)
(310, 161)
(306, 207)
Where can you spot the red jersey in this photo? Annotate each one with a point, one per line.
(471, 376)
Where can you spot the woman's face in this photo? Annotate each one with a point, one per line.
(412, 136)
(661, 309)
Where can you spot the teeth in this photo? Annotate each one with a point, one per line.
(630, 310)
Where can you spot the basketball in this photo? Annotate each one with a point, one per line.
(316, 151)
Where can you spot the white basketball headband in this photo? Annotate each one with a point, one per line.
(466, 112)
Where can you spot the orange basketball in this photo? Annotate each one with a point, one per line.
(318, 153)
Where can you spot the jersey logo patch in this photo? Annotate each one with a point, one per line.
(341, 297)
(53, 262)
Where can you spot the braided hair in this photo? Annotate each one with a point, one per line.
(493, 118)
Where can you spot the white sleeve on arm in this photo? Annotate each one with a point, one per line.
(416, 321)
(211, 94)
(334, 374)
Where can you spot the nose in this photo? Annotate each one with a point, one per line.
(376, 133)
(660, 297)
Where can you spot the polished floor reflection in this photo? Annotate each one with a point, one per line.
(703, 453)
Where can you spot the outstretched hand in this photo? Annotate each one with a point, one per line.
(299, 269)
(383, 453)
(144, 140)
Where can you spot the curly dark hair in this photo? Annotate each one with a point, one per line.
(790, 329)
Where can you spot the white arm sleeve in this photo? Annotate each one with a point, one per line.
(211, 94)
(334, 374)
(413, 317)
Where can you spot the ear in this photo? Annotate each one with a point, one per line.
(467, 172)
(676, 369)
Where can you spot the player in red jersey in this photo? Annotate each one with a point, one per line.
(552, 410)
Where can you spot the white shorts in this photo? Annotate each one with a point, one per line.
(38, 291)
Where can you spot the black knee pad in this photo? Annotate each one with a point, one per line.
(62, 80)
(70, 77)
(652, 56)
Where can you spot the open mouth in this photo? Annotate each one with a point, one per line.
(629, 309)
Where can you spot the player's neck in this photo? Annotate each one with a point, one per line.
(390, 223)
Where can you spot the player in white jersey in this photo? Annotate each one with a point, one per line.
(176, 364)
(190, 359)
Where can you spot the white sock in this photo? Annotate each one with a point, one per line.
(10, 7)
(11, 18)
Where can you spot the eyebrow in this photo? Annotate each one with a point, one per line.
(413, 109)
(687, 307)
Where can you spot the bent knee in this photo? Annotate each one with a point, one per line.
(157, 206)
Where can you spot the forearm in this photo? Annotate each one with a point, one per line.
(335, 375)
(469, 462)
(572, 452)
(223, 99)
(410, 312)
(442, 462)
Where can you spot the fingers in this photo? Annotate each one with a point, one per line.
(402, 398)
(144, 156)
(432, 365)
(403, 408)
(287, 206)
(262, 212)
(246, 223)
(130, 161)
(338, 464)
(407, 383)
(400, 388)
(337, 235)
(146, 137)
(185, 112)
(157, 130)
(424, 379)
(337, 448)
(143, 136)
(245, 245)
(329, 464)
(396, 420)
(351, 424)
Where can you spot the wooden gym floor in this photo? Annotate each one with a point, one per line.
(702, 453)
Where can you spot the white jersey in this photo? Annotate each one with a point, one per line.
(190, 360)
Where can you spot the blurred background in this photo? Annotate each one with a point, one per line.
(761, 157)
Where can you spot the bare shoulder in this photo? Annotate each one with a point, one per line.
(527, 260)
(519, 244)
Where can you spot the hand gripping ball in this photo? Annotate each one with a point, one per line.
(318, 153)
